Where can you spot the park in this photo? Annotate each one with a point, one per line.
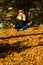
(23, 46)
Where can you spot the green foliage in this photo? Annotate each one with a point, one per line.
(5, 25)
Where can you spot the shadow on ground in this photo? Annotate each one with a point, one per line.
(7, 49)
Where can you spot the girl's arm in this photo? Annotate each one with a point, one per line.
(30, 23)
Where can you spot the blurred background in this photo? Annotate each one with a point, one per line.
(9, 10)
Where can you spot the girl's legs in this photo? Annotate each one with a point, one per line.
(25, 27)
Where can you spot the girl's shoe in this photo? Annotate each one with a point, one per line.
(21, 29)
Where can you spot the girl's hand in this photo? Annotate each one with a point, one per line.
(30, 22)
(11, 24)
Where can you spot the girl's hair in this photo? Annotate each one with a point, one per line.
(21, 11)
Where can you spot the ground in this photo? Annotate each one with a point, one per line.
(21, 47)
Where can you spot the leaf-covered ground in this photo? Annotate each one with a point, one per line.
(21, 47)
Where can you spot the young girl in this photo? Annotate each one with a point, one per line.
(21, 18)
(21, 21)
